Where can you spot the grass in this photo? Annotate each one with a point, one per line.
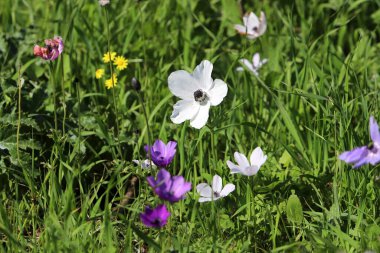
(62, 183)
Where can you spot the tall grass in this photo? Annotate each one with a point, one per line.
(71, 186)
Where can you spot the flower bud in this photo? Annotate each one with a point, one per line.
(136, 84)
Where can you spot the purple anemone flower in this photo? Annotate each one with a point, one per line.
(156, 218)
(366, 154)
(167, 187)
(162, 155)
(53, 49)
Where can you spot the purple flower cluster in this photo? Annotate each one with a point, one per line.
(162, 155)
(166, 186)
(366, 154)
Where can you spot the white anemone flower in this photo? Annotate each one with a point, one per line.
(198, 91)
(215, 192)
(253, 66)
(243, 167)
(253, 27)
(104, 2)
(145, 164)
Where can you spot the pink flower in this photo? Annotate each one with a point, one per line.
(51, 51)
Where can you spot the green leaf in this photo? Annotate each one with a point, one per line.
(294, 211)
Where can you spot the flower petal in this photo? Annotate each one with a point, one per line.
(241, 159)
(183, 85)
(256, 60)
(374, 130)
(241, 29)
(217, 92)
(263, 24)
(228, 188)
(203, 199)
(257, 157)
(184, 110)
(355, 155)
(251, 170)
(247, 64)
(204, 190)
(217, 183)
(202, 73)
(200, 119)
(251, 22)
(233, 167)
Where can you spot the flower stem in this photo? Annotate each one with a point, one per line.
(254, 214)
(149, 133)
(19, 114)
(117, 132)
(54, 98)
(63, 96)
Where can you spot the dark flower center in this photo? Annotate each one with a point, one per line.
(200, 96)
(255, 29)
(216, 194)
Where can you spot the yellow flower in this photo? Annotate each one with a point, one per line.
(110, 84)
(120, 62)
(99, 73)
(109, 57)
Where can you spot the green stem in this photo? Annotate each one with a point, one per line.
(54, 98)
(63, 96)
(149, 133)
(19, 115)
(117, 132)
(254, 214)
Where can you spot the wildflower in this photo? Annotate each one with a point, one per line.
(215, 192)
(257, 159)
(156, 218)
(104, 2)
(111, 83)
(99, 73)
(253, 27)
(51, 51)
(161, 154)
(366, 154)
(120, 62)
(254, 66)
(109, 57)
(136, 84)
(145, 164)
(198, 91)
(167, 187)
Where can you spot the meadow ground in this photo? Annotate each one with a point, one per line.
(68, 183)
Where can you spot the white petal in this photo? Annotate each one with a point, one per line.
(263, 24)
(200, 119)
(204, 190)
(227, 190)
(256, 60)
(184, 110)
(252, 22)
(203, 74)
(201, 199)
(234, 168)
(136, 162)
(182, 84)
(241, 29)
(257, 157)
(248, 64)
(241, 160)
(239, 69)
(217, 183)
(217, 92)
(251, 170)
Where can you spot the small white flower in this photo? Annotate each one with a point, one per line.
(254, 66)
(145, 164)
(210, 194)
(198, 91)
(104, 2)
(257, 159)
(253, 27)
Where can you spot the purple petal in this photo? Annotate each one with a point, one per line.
(157, 217)
(354, 155)
(374, 130)
(151, 181)
(159, 146)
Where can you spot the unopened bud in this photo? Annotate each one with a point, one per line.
(136, 84)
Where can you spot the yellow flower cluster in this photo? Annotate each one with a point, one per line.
(120, 62)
